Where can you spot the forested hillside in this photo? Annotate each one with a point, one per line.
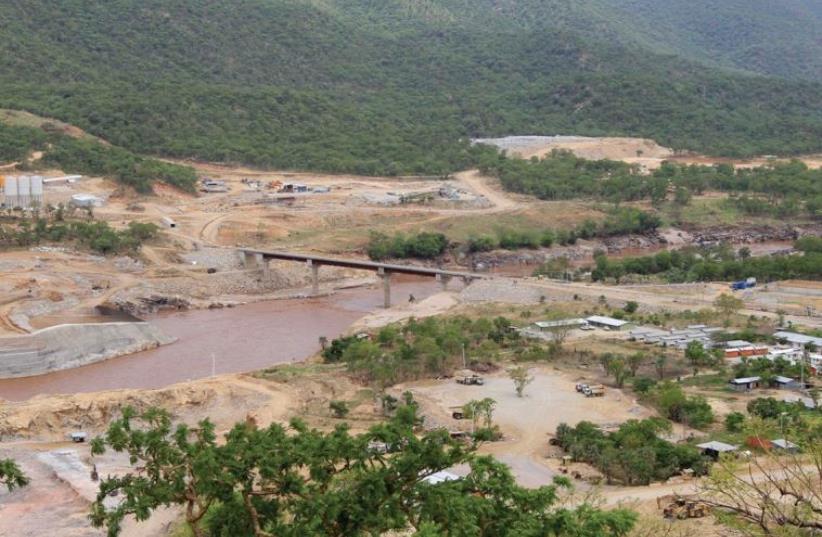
(395, 86)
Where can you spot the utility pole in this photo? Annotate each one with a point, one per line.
(464, 365)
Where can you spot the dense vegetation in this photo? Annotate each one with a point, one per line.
(632, 455)
(90, 157)
(420, 246)
(294, 481)
(779, 187)
(96, 236)
(427, 347)
(711, 264)
(378, 88)
(675, 405)
(619, 221)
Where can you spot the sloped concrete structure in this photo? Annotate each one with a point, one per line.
(73, 345)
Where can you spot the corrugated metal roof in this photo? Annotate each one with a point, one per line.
(746, 380)
(720, 447)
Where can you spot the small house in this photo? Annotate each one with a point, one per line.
(785, 445)
(786, 383)
(714, 449)
(745, 384)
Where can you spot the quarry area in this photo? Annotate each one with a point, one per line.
(199, 326)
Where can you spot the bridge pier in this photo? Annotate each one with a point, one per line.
(443, 281)
(315, 277)
(249, 260)
(266, 269)
(386, 286)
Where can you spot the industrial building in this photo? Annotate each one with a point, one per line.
(22, 191)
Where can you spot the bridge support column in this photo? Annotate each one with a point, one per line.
(467, 280)
(443, 281)
(249, 260)
(266, 270)
(315, 277)
(386, 286)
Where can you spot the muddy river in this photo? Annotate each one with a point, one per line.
(231, 340)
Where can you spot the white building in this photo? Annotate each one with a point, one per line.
(608, 323)
(798, 340)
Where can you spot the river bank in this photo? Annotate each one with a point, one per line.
(229, 340)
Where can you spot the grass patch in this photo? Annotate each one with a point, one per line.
(287, 372)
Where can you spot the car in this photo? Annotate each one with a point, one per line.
(581, 387)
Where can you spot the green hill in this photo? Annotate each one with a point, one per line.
(379, 86)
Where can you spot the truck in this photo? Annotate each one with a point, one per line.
(595, 390)
(470, 380)
(743, 284)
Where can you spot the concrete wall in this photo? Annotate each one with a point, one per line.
(73, 345)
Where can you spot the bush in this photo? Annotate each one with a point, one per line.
(672, 403)
(338, 408)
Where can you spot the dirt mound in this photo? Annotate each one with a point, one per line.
(225, 400)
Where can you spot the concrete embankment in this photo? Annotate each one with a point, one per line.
(73, 345)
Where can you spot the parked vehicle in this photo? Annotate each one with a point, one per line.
(581, 387)
(470, 380)
(743, 284)
(596, 390)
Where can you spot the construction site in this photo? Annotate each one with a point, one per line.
(225, 314)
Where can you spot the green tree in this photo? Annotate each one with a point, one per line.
(339, 408)
(294, 481)
(521, 379)
(659, 366)
(635, 361)
(696, 356)
(728, 305)
(734, 422)
(11, 476)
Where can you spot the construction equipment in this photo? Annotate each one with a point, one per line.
(683, 507)
(274, 185)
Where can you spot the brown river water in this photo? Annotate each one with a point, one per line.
(230, 340)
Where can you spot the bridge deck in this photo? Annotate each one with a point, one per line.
(363, 265)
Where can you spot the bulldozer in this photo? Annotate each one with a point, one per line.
(682, 507)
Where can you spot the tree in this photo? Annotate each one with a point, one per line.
(560, 334)
(294, 481)
(521, 379)
(659, 365)
(618, 369)
(734, 422)
(630, 307)
(635, 361)
(697, 356)
(11, 476)
(728, 305)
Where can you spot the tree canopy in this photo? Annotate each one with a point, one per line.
(296, 481)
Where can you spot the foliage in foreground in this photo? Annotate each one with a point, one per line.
(298, 482)
(776, 494)
(632, 455)
(11, 476)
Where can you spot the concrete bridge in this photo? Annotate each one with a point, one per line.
(259, 259)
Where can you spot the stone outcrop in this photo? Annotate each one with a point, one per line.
(73, 345)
